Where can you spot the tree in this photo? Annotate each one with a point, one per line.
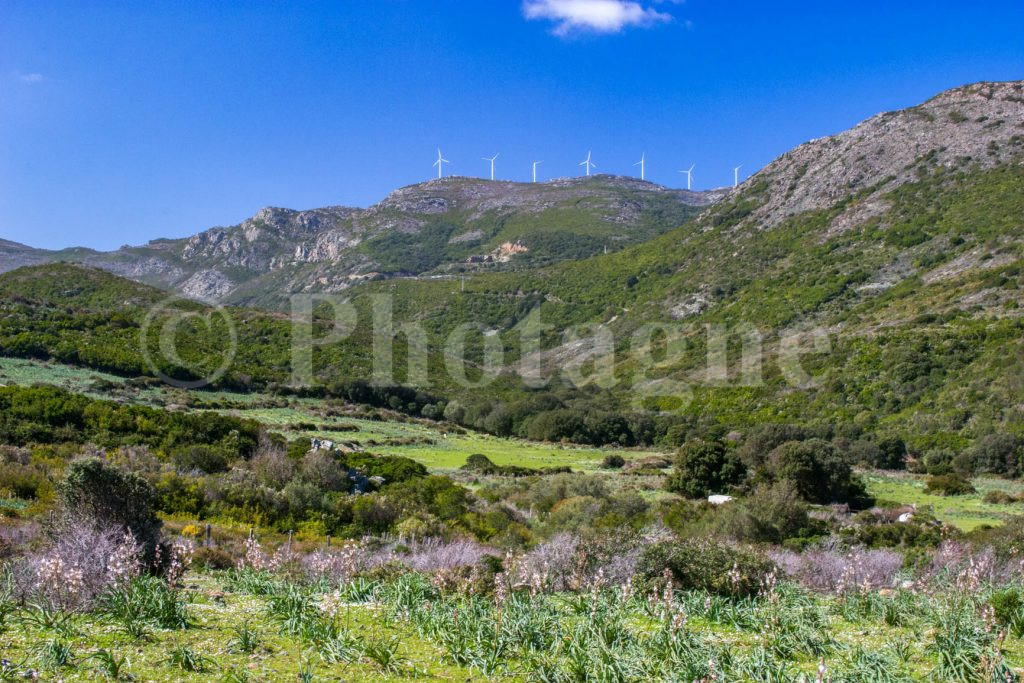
(817, 470)
(996, 453)
(892, 453)
(702, 468)
(99, 491)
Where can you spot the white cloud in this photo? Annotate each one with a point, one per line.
(599, 16)
(31, 78)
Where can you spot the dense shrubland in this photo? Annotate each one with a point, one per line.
(500, 570)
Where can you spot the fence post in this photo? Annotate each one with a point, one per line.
(328, 540)
(289, 541)
(208, 530)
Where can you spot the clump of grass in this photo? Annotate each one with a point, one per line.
(185, 658)
(384, 653)
(235, 675)
(246, 639)
(56, 654)
(110, 665)
(44, 616)
(146, 600)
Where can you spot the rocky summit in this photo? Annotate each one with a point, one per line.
(453, 223)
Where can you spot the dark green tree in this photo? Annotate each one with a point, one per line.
(702, 468)
(93, 489)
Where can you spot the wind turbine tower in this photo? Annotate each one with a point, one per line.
(736, 175)
(689, 175)
(641, 165)
(588, 163)
(440, 161)
(535, 164)
(491, 159)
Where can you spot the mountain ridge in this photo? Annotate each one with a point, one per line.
(332, 247)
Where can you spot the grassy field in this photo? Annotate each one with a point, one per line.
(443, 451)
(966, 512)
(217, 616)
(238, 632)
(437, 449)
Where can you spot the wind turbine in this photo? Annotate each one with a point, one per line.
(641, 165)
(689, 175)
(588, 163)
(535, 170)
(491, 159)
(440, 161)
(736, 175)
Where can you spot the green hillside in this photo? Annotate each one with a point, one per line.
(910, 272)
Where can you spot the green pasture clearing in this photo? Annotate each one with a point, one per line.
(966, 512)
(437, 449)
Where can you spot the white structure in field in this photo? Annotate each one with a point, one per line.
(535, 169)
(440, 161)
(736, 175)
(641, 165)
(588, 163)
(718, 499)
(491, 159)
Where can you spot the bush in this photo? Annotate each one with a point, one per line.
(937, 461)
(948, 485)
(705, 564)
(998, 497)
(996, 454)
(212, 558)
(200, 457)
(702, 468)
(1008, 610)
(110, 495)
(818, 472)
(613, 462)
(771, 514)
(892, 454)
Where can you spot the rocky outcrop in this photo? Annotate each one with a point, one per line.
(334, 247)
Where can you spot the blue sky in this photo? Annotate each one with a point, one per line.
(121, 122)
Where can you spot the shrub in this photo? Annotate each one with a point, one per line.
(613, 462)
(771, 514)
(23, 481)
(892, 453)
(705, 564)
(831, 570)
(948, 485)
(212, 558)
(1008, 610)
(84, 558)
(996, 453)
(998, 497)
(112, 496)
(938, 461)
(200, 457)
(702, 468)
(818, 472)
